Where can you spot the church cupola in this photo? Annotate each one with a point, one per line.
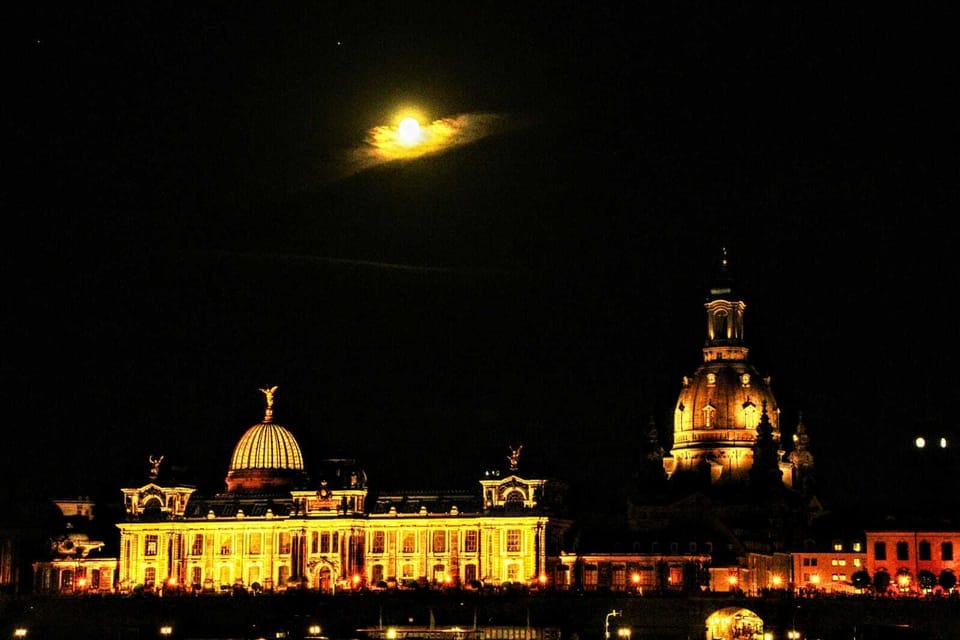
(721, 405)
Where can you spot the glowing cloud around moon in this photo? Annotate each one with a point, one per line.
(411, 136)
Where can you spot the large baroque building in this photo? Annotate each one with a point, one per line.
(275, 527)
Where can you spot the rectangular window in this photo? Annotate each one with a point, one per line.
(924, 551)
(408, 571)
(150, 545)
(946, 551)
(513, 540)
(590, 575)
(283, 543)
(378, 543)
(838, 546)
(470, 573)
(325, 542)
(283, 574)
(149, 577)
(254, 544)
(335, 546)
(409, 542)
(95, 579)
(880, 550)
(439, 573)
(857, 546)
(254, 575)
(376, 575)
(314, 542)
(439, 541)
(196, 576)
(857, 562)
(470, 541)
(226, 544)
(196, 549)
(903, 551)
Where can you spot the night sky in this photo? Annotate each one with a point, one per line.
(183, 227)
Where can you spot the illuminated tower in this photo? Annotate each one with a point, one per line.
(720, 406)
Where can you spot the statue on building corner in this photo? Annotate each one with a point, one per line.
(154, 466)
(514, 457)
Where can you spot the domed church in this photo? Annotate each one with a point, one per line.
(725, 402)
(275, 527)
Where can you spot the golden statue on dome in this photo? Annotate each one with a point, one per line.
(269, 393)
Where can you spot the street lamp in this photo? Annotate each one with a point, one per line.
(606, 623)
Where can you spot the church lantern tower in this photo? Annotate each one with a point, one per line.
(721, 405)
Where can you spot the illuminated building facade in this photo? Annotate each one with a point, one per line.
(273, 528)
(910, 561)
(722, 405)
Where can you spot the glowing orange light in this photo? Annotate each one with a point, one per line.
(172, 581)
(777, 581)
(732, 580)
(447, 579)
(635, 578)
(355, 579)
(903, 580)
(815, 578)
(542, 579)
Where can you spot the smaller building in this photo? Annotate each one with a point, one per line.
(831, 570)
(74, 564)
(912, 561)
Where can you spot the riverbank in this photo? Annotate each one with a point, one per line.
(577, 617)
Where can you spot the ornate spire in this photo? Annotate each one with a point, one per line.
(269, 392)
(801, 458)
(765, 473)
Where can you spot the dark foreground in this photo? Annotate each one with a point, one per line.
(575, 617)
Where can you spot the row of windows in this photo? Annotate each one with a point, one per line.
(836, 562)
(327, 542)
(471, 541)
(324, 542)
(924, 551)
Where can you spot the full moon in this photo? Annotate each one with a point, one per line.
(409, 131)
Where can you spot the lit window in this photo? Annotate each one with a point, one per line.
(857, 562)
(513, 539)
(283, 542)
(857, 546)
(254, 544)
(150, 545)
(838, 546)
(325, 542)
(226, 544)
(149, 576)
(314, 542)
(409, 542)
(470, 541)
(377, 544)
(196, 549)
(439, 541)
